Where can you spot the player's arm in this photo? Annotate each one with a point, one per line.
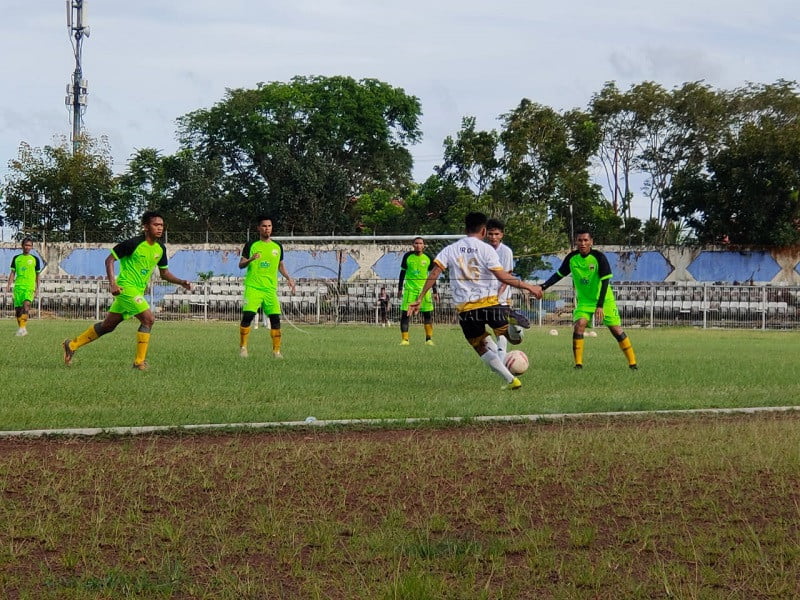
(510, 280)
(434, 288)
(10, 279)
(433, 275)
(245, 259)
(562, 272)
(403, 267)
(111, 276)
(285, 273)
(167, 275)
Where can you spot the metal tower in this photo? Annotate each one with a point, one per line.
(77, 90)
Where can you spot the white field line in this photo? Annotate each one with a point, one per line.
(312, 422)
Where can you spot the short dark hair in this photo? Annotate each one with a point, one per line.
(582, 231)
(150, 215)
(495, 224)
(26, 239)
(419, 237)
(474, 222)
(260, 218)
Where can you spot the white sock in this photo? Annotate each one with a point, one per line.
(493, 361)
(502, 344)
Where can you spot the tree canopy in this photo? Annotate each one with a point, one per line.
(327, 155)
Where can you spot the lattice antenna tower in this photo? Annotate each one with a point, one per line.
(77, 89)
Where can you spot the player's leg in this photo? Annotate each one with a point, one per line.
(272, 308)
(93, 332)
(245, 326)
(404, 318)
(24, 316)
(426, 310)
(250, 307)
(146, 321)
(473, 325)
(427, 320)
(275, 334)
(578, 330)
(624, 344)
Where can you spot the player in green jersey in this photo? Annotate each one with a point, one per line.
(414, 269)
(263, 259)
(23, 278)
(591, 276)
(138, 257)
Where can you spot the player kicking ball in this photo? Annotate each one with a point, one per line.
(474, 269)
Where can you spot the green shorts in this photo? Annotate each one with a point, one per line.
(22, 295)
(410, 295)
(129, 306)
(254, 298)
(611, 316)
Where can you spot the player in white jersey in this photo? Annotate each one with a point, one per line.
(475, 268)
(495, 231)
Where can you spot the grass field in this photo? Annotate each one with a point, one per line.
(353, 372)
(690, 507)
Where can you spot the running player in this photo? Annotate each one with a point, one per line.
(263, 259)
(414, 269)
(23, 278)
(474, 268)
(591, 276)
(137, 256)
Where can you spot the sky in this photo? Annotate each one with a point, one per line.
(149, 62)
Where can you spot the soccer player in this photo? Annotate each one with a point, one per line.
(263, 259)
(474, 269)
(137, 257)
(414, 269)
(495, 231)
(591, 276)
(23, 278)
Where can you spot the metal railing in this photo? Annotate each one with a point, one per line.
(656, 304)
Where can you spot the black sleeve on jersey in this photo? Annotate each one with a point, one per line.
(430, 268)
(246, 249)
(38, 265)
(604, 273)
(13, 261)
(127, 247)
(403, 267)
(562, 272)
(163, 262)
(281, 247)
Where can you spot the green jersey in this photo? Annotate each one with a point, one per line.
(414, 270)
(591, 276)
(263, 273)
(25, 268)
(137, 259)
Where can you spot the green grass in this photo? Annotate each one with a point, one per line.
(353, 372)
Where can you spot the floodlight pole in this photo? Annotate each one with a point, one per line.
(77, 90)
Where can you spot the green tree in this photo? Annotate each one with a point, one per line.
(303, 150)
(56, 194)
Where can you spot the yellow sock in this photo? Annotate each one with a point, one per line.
(627, 348)
(23, 321)
(428, 331)
(275, 334)
(142, 341)
(404, 336)
(87, 336)
(244, 333)
(577, 350)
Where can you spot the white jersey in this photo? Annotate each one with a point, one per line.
(471, 263)
(506, 257)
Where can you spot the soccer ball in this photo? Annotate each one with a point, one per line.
(517, 362)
